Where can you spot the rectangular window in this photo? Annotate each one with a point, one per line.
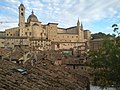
(25, 33)
(29, 33)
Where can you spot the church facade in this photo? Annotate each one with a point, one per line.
(36, 36)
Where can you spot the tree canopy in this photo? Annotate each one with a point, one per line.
(100, 35)
(106, 62)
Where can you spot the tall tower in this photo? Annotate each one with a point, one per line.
(80, 31)
(78, 25)
(81, 26)
(21, 15)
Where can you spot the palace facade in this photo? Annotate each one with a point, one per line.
(36, 36)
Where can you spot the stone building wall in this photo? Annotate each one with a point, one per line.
(2, 33)
(12, 32)
(11, 42)
(66, 38)
(96, 44)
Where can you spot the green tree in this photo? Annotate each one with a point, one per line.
(100, 35)
(106, 62)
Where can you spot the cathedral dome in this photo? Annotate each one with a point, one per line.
(32, 18)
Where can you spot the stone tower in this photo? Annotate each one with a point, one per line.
(21, 19)
(80, 31)
(78, 25)
(21, 15)
(81, 26)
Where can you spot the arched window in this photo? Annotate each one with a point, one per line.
(21, 9)
(22, 14)
(58, 45)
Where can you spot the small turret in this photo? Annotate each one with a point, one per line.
(78, 23)
(81, 26)
(78, 26)
(32, 12)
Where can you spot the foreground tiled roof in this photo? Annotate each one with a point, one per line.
(4, 51)
(40, 76)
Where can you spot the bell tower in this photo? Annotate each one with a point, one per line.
(21, 15)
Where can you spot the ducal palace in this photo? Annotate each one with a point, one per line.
(34, 35)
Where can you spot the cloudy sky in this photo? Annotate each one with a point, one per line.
(96, 15)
